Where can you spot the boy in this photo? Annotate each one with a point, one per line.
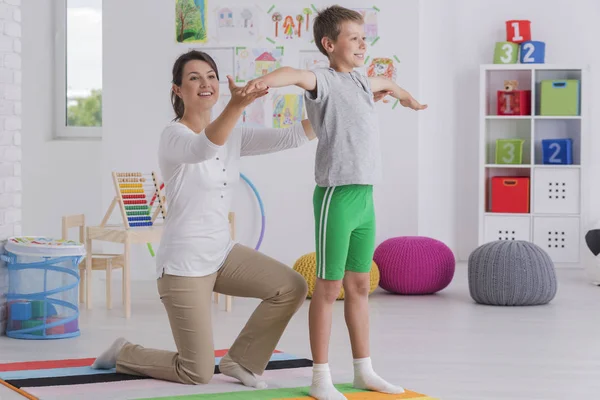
(341, 109)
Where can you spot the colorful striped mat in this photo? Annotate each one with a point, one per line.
(286, 374)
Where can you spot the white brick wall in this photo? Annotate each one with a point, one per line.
(10, 133)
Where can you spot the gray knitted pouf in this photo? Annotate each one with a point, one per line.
(511, 273)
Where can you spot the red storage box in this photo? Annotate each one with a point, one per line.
(514, 102)
(510, 194)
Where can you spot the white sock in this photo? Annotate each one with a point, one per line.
(322, 386)
(365, 378)
(108, 359)
(230, 368)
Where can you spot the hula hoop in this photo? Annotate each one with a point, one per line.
(260, 204)
(262, 209)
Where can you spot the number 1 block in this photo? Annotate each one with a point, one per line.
(514, 102)
(518, 31)
(533, 52)
(506, 53)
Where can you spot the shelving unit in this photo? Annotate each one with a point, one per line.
(556, 192)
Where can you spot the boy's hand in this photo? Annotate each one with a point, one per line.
(254, 85)
(412, 103)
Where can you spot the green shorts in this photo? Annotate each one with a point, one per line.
(344, 230)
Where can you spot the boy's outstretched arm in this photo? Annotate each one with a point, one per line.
(284, 76)
(379, 83)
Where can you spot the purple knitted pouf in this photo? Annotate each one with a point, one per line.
(414, 265)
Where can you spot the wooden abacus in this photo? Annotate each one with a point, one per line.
(137, 195)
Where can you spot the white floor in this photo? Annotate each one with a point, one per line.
(442, 345)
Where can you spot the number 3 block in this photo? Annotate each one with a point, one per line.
(509, 151)
(518, 31)
(506, 53)
(533, 52)
(557, 151)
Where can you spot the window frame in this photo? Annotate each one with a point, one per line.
(61, 129)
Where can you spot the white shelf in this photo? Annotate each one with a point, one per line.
(518, 117)
(560, 166)
(552, 208)
(530, 67)
(508, 165)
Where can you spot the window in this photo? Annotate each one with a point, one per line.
(79, 68)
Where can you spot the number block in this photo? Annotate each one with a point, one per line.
(557, 151)
(514, 102)
(533, 52)
(509, 151)
(506, 53)
(518, 31)
(510, 194)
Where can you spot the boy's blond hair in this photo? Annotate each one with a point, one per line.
(327, 23)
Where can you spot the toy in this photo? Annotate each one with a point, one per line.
(557, 151)
(514, 102)
(510, 194)
(136, 211)
(518, 31)
(509, 151)
(43, 285)
(559, 97)
(519, 46)
(511, 85)
(506, 53)
(533, 52)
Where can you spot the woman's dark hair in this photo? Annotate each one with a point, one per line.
(183, 59)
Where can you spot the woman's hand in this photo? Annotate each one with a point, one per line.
(241, 97)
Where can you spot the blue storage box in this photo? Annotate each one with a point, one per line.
(557, 151)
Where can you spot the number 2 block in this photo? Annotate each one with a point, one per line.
(518, 31)
(533, 52)
(557, 151)
(506, 53)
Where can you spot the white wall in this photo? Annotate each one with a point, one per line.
(136, 108)
(10, 135)
(456, 38)
(59, 177)
(430, 158)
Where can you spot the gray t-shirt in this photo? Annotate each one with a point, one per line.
(343, 117)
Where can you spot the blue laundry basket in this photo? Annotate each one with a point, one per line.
(43, 280)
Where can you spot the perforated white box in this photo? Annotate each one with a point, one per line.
(556, 191)
(506, 228)
(558, 236)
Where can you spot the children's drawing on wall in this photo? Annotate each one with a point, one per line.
(381, 66)
(290, 23)
(224, 58)
(371, 26)
(312, 60)
(255, 62)
(190, 21)
(254, 115)
(237, 22)
(287, 110)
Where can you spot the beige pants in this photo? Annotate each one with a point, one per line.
(245, 273)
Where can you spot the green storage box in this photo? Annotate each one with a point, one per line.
(559, 97)
(509, 151)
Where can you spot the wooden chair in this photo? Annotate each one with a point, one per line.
(104, 262)
(228, 299)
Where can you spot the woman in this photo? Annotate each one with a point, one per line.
(199, 162)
